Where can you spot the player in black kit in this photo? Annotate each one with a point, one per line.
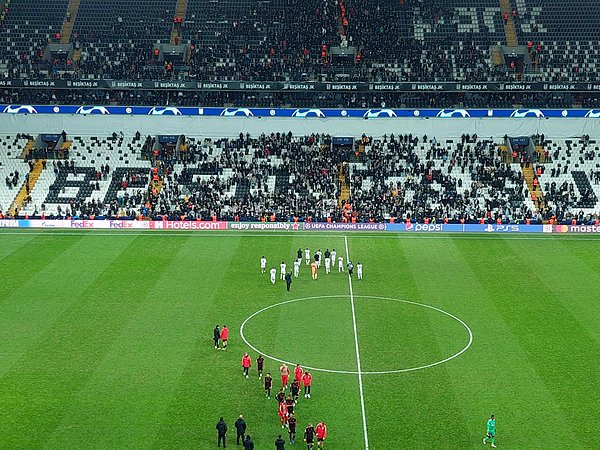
(268, 385)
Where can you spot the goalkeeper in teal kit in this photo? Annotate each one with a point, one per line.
(491, 431)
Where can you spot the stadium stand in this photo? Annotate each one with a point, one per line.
(116, 38)
(96, 177)
(283, 177)
(571, 177)
(283, 40)
(562, 40)
(288, 176)
(410, 178)
(266, 40)
(280, 40)
(13, 169)
(27, 29)
(434, 40)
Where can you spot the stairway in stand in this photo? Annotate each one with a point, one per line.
(67, 26)
(34, 175)
(497, 56)
(540, 151)
(509, 29)
(344, 187)
(529, 175)
(506, 156)
(180, 11)
(158, 185)
(65, 146)
(27, 149)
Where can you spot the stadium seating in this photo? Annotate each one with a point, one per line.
(567, 35)
(277, 175)
(28, 27)
(69, 186)
(433, 40)
(404, 177)
(571, 179)
(13, 168)
(287, 176)
(268, 40)
(278, 40)
(116, 37)
(251, 178)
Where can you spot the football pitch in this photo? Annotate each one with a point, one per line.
(106, 339)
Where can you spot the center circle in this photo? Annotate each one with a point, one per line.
(309, 325)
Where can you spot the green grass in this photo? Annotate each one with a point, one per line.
(105, 339)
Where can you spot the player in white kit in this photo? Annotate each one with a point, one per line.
(333, 255)
(296, 268)
(340, 264)
(359, 270)
(263, 264)
(327, 265)
(307, 256)
(273, 273)
(282, 266)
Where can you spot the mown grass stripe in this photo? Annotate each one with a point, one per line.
(40, 389)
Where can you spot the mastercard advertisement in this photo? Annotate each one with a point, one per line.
(588, 229)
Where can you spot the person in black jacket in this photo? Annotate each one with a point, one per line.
(288, 280)
(279, 443)
(222, 431)
(216, 336)
(240, 426)
(248, 444)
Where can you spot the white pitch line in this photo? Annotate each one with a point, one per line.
(358, 365)
(354, 372)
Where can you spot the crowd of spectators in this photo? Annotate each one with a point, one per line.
(305, 171)
(423, 179)
(288, 40)
(281, 177)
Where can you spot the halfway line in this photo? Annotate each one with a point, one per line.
(360, 383)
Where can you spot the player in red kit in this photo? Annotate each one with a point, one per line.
(224, 336)
(298, 372)
(282, 413)
(307, 381)
(321, 432)
(246, 363)
(285, 375)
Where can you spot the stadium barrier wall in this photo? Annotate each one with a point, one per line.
(560, 124)
(169, 225)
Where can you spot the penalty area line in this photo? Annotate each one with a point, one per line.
(359, 368)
